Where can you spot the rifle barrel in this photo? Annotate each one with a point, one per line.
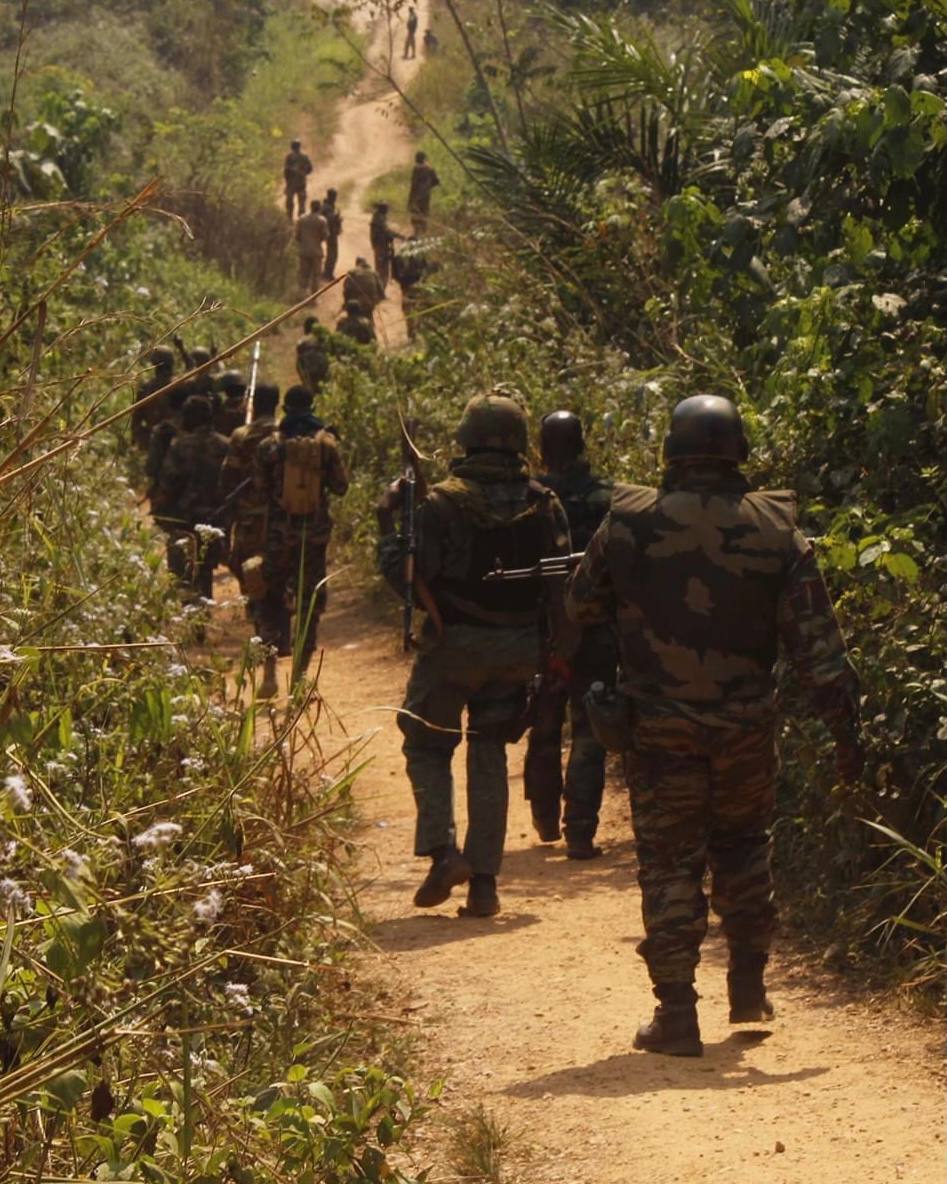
(556, 565)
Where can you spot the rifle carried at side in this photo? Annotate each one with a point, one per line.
(254, 375)
(413, 492)
(556, 565)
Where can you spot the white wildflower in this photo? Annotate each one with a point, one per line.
(239, 995)
(75, 866)
(141, 290)
(9, 655)
(180, 721)
(176, 670)
(12, 894)
(209, 908)
(194, 762)
(8, 851)
(159, 834)
(19, 793)
(207, 533)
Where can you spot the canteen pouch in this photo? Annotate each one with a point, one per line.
(610, 717)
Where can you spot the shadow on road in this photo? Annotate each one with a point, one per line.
(425, 931)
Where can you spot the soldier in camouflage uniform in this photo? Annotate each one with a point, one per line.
(484, 649)
(162, 434)
(188, 498)
(577, 658)
(248, 507)
(312, 355)
(144, 419)
(355, 324)
(230, 412)
(363, 287)
(704, 578)
(294, 556)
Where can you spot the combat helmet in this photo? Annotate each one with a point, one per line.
(561, 439)
(232, 383)
(706, 427)
(162, 356)
(200, 355)
(493, 421)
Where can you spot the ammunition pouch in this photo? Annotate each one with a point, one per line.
(611, 717)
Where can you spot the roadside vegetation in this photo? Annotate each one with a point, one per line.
(748, 199)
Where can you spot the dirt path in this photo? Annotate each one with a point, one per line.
(532, 1013)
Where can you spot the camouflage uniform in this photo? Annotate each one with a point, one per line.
(296, 169)
(704, 577)
(488, 650)
(362, 285)
(248, 510)
(312, 358)
(359, 328)
(580, 658)
(334, 222)
(294, 555)
(187, 496)
(146, 419)
(312, 233)
(230, 413)
(424, 180)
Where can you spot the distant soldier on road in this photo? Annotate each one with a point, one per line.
(312, 355)
(411, 35)
(333, 219)
(362, 285)
(248, 508)
(424, 180)
(144, 419)
(703, 578)
(188, 498)
(231, 412)
(383, 242)
(312, 234)
(296, 169)
(409, 268)
(297, 469)
(576, 659)
(485, 648)
(355, 324)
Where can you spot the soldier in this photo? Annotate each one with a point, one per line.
(409, 268)
(363, 286)
(576, 659)
(356, 325)
(431, 42)
(144, 419)
(203, 384)
(161, 436)
(411, 35)
(231, 412)
(383, 242)
(424, 180)
(312, 233)
(187, 497)
(312, 355)
(334, 222)
(296, 169)
(248, 508)
(482, 652)
(296, 470)
(703, 577)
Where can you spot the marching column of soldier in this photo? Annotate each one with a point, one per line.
(651, 619)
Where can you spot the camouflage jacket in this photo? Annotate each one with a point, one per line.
(268, 465)
(363, 285)
(704, 578)
(162, 436)
(230, 414)
(487, 504)
(188, 485)
(238, 466)
(360, 329)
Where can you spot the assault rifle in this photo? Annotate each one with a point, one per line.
(251, 389)
(413, 491)
(556, 565)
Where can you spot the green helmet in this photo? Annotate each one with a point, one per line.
(162, 355)
(706, 427)
(200, 355)
(493, 421)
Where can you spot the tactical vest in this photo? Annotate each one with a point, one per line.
(698, 576)
(301, 493)
(521, 542)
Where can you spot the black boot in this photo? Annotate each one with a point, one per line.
(748, 1001)
(482, 898)
(448, 869)
(673, 1030)
(581, 847)
(546, 826)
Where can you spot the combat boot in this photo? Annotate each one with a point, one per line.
(448, 869)
(482, 898)
(673, 1030)
(581, 848)
(546, 826)
(268, 688)
(748, 1001)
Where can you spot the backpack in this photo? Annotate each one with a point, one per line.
(302, 475)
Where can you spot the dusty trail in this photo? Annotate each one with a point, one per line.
(532, 1013)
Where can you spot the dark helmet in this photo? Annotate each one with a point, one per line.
(332, 194)
(200, 355)
(493, 421)
(265, 399)
(560, 438)
(162, 356)
(295, 143)
(309, 324)
(706, 427)
(177, 395)
(297, 398)
(381, 207)
(420, 157)
(353, 308)
(315, 207)
(196, 412)
(232, 383)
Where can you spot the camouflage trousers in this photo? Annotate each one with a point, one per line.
(701, 798)
(294, 570)
(484, 670)
(585, 769)
(310, 271)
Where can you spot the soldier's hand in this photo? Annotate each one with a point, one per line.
(849, 760)
(390, 501)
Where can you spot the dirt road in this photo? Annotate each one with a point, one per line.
(532, 1013)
